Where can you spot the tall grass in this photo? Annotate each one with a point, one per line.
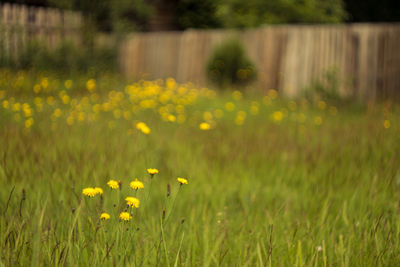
(264, 192)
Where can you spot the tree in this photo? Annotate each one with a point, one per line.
(253, 13)
(373, 11)
(110, 15)
(197, 14)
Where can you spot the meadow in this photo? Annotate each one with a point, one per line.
(271, 181)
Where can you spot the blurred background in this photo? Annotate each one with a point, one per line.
(282, 115)
(347, 48)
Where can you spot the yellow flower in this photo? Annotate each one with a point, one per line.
(152, 171)
(204, 126)
(91, 85)
(104, 216)
(132, 202)
(272, 93)
(321, 105)
(143, 127)
(29, 122)
(182, 180)
(68, 84)
(113, 184)
(318, 120)
(237, 95)
(277, 116)
(89, 191)
(229, 106)
(386, 124)
(98, 190)
(136, 184)
(125, 216)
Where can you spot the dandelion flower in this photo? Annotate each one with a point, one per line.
(204, 126)
(132, 202)
(104, 216)
(125, 216)
(113, 184)
(182, 181)
(136, 184)
(98, 190)
(89, 191)
(386, 124)
(277, 116)
(143, 127)
(152, 171)
(318, 120)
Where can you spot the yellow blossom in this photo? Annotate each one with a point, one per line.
(237, 95)
(386, 124)
(98, 190)
(132, 202)
(113, 184)
(29, 122)
(91, 85)
(104, 216)
(136, 184)
(333, 110)
(152, 171)
(277, 115)
(125, 216)
(143, 127)
(89, 191)
(318, 120)
(68, 84)
(182, 181)
(321, 105)
(272, 93)
(229, 106)
(204, 126)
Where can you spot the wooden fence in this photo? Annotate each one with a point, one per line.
(288, 58)
(21, 24)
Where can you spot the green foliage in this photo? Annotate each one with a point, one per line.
(197, 14)
(373, 11)
(66, 58)
(130, 15)
(230, 66)
(252, 13)
(325, 88)
(111, 15)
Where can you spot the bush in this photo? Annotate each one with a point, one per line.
(65, 58)
(230, 66)
(325, 88)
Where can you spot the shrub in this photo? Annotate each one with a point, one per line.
(230, 66)
(66, 58)
(325, 88)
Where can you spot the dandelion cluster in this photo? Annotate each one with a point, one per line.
(92, 191)
(131, 202)
(166, 100)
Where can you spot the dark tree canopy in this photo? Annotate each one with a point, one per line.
(142, 15)
(372, 10)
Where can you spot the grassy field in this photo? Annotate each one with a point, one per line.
(271, 182)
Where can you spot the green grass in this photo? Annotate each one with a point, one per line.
(264, 193)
